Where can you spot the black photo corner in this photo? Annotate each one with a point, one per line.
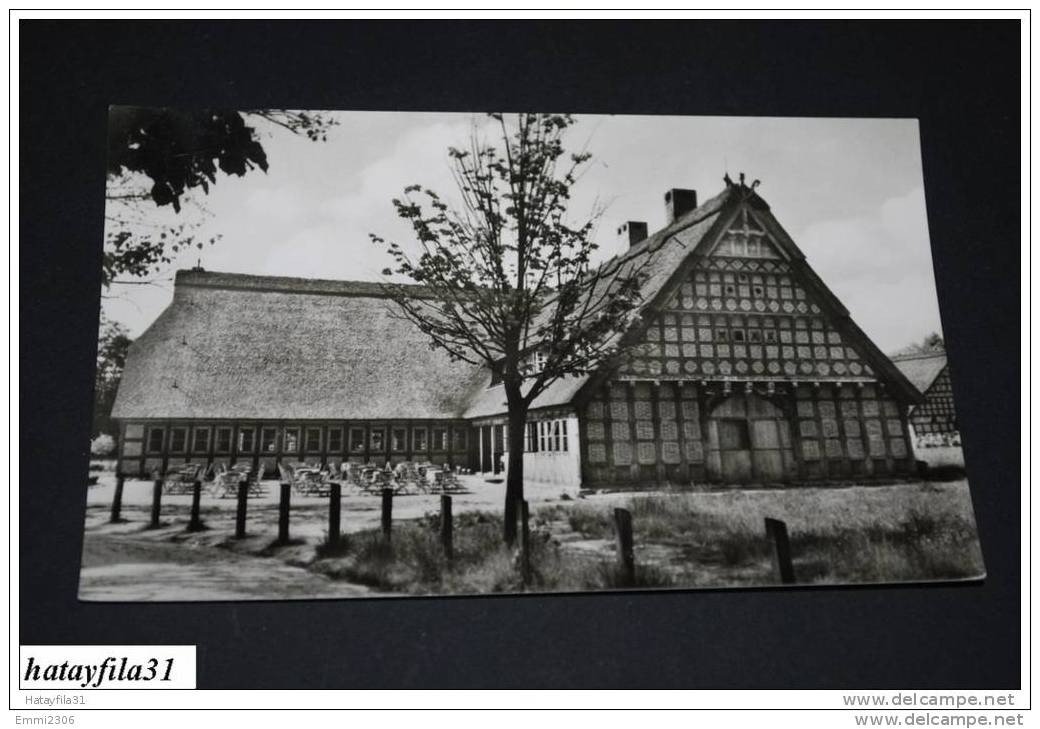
(960, 79)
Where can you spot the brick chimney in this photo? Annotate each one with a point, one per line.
(632, 232)
(678, 202)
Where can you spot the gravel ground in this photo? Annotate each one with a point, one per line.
(125, 570)
(128, 562)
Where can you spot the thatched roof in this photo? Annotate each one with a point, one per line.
(921, 368)
(235, 346)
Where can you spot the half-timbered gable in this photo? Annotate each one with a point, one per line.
(745, 368)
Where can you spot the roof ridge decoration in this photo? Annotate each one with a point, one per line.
(196, 278)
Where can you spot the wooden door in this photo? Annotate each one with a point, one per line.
(735, 449)
(500, 446)
(486, 462)
(749, 440)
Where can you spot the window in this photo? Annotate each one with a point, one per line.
(178, 440)
(769, 335)
(155, 440)
(223, 440)
(335, 440)
(559, 435)
(754, 335)
(399, 439)
(738, 335)
(357, 440)
(531, 438)
(731, 290)
(440, 439)
(200, 441)
(419, 439)
(742, 277)
(548, 435)
(540, 359)
(292, 440)
(313, 440)
(377, 439)
(461, 439)
(758, 291)
(269, 440)
(722, 335)
(245, 440)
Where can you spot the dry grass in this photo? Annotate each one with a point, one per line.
(414, 561)
(895, 533)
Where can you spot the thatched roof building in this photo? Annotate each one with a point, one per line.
(742, 366)
(233, 346)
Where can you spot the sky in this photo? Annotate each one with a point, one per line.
(848, 191)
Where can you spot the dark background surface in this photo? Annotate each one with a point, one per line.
(961, 80)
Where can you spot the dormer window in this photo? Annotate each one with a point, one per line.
(540, 360)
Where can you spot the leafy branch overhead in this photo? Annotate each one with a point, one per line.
(159, 156)
(506, 272)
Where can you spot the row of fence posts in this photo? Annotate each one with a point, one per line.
(284, 499)
(776, 530)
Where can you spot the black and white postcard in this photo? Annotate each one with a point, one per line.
(359, 354)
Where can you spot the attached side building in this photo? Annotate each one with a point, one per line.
(930, 373)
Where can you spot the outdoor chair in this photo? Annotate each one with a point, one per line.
(355, 474)
(311, 482)
(181, 479)
(447, 481)
(226, 481)
(374, 480)
(409, 480)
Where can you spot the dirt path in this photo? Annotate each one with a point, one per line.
(117, 570)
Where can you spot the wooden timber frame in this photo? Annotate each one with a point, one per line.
(136, 458)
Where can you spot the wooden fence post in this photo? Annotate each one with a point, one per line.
(335, 495)
(240, 512)
(776, 531)
(156, 503)
(447, 537)
(195, 524)
(388, 506)
(525, 543)
(625, 551)
(117, 499)
(283, 513)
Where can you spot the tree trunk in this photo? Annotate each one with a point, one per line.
(515, 472)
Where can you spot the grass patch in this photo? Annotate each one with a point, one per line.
(897, 533)
(862, 534)
(413, 561)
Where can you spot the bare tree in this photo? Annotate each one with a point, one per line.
(507, 275)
